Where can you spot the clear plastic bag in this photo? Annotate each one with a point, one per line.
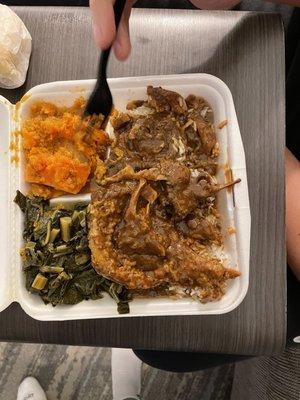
(15, 49)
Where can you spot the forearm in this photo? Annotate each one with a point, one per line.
(227, 4)
(215, 4)
(292, 166)
(295, 3)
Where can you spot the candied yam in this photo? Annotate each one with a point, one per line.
(59, 170)
(46, 192)
(43, 108)
(99, 137)
(60, 149)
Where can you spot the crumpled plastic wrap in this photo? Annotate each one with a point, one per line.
(15, 49)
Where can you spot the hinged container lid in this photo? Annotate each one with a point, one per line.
(6, 126)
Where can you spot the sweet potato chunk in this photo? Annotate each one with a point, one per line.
(60, 170)
(62, 149)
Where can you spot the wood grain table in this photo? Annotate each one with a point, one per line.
(245, 50)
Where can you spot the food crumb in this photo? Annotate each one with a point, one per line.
(231, 230)
(223, 124)
(15, 159)
(14, 146)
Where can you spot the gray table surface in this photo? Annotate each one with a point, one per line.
(246, 51)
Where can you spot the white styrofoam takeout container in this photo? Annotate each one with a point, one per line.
(233, 204)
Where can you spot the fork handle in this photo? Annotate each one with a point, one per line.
(118, 11)
(101, 77)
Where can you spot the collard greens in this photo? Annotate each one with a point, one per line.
(56, 256)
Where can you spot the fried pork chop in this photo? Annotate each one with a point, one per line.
(154, 218)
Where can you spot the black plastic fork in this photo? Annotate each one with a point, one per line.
(100, 101)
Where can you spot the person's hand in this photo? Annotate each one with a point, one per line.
(104, 23)
(227, 4)
(105, 30)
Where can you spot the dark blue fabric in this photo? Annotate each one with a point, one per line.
(293, 85)
(185, 362)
